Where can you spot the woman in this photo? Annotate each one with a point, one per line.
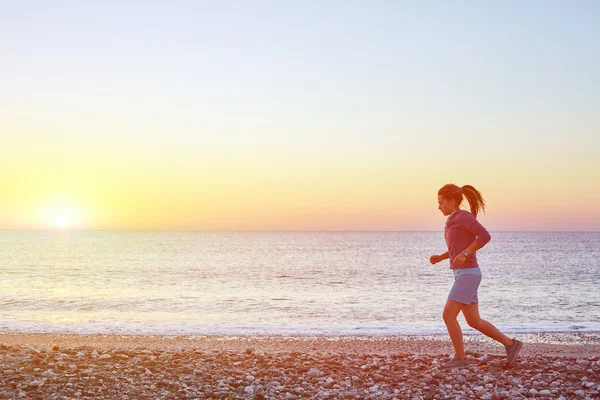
(464, 236)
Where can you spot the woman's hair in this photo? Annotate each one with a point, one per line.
(474, 197)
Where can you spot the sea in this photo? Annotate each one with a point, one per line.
(287, 283)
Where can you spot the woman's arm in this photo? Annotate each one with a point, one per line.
(436, 259)
(476, 245)
(462, 257)
(481, 234)
(482, 237)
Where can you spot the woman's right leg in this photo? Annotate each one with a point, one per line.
(451, 310)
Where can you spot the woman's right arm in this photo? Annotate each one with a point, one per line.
(439, 258)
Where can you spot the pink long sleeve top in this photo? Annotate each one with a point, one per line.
(462, 229)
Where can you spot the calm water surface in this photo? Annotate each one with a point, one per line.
(279, 283)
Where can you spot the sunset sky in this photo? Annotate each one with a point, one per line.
(298, 115)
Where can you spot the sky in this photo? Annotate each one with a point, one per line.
(298, 115)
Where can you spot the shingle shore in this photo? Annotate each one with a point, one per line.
(188, 370)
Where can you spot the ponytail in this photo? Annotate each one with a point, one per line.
(474, 197)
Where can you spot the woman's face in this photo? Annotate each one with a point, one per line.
(446, 206)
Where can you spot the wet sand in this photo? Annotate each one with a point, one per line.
(554, 344)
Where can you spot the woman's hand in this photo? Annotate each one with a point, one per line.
(435, 259)
(459, 259)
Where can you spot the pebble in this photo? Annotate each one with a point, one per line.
(514, 381)
(85, 373)
(314, 373)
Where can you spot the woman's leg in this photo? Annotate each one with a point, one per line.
(451, 310)
(471, 313)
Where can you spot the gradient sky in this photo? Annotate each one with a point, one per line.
(298, 115)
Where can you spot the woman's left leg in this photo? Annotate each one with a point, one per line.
(471, 313)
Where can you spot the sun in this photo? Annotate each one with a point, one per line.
(60, 221)
(62, 214)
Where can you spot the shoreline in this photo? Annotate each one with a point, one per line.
(582, 344)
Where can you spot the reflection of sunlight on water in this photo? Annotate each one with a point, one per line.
(59, 291)
(65, 317)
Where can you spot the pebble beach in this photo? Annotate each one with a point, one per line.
(41, 366)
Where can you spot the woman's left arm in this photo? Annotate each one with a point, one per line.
(482, 236)
(473, 247)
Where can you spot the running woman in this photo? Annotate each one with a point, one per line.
(464, 236)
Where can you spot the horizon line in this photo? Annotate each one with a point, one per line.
(276, 230)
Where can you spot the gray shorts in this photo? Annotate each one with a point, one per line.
(466, 283)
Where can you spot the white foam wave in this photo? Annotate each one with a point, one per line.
(133, 328)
